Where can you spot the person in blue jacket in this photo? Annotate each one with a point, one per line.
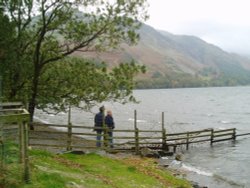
(99, 122)
(109, 121)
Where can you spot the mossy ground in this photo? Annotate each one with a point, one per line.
(93, 171)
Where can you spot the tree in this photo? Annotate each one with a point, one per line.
(6, 34)
(75, 81)
(6, 37)
(50, 30)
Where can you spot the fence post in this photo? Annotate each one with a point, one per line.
(26, 155)
(137, 148)
(1, 91)
(234, 134)
(2, 145)
(21, 142)
(212, 137)
(69, 141)
(164, 139)
(105, 136)
(174, 148)
(187, 141)
(2, 155)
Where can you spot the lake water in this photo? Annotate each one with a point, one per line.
(226, 164)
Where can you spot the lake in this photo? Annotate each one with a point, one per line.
(226, 164)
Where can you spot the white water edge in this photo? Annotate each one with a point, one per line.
(187, 110)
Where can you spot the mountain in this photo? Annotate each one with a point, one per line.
(180, 61)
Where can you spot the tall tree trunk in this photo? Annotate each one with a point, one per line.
(32, 102)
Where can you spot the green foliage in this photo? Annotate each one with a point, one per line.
(49, 179)
(10, 167)
(207, 78)
(15, 60)
(90, 170)
(48, 31)
(93, 170)
(131, 169)
(6, 35)
(83, 83)
(173, 80)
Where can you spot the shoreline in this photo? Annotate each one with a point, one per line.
(175, 172)
(210, 107)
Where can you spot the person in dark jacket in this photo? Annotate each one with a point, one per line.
(99, 121)
(109, 121)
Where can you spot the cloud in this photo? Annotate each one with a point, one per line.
(229, 37)
(223, 23)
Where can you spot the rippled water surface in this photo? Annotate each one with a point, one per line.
(224, 165)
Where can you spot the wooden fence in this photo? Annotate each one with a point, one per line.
(72, 137)
(14, 128)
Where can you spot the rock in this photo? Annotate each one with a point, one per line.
(146, 152)
(165, 165)
(113, 151)
(196, 185)
(178, 157)
(77, 152)
(165, 153)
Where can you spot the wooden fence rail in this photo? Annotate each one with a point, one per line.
(14, 127)
(83, 137)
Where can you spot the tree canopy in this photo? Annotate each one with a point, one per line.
(47, 31)
(83, 83)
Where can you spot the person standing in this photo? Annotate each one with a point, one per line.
(109, 121)
(99, 122)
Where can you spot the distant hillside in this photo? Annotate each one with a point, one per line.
(180, 61)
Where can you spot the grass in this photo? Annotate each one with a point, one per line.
(95, 171)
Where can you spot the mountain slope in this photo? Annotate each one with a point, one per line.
(180, 61)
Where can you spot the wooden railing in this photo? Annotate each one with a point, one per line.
(14, 127)
(82, 137)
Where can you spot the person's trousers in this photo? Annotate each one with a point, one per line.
(98, 138)
(111, 139)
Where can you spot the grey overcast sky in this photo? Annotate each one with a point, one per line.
(225, 23)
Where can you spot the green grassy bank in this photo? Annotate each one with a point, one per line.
(49, 170)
